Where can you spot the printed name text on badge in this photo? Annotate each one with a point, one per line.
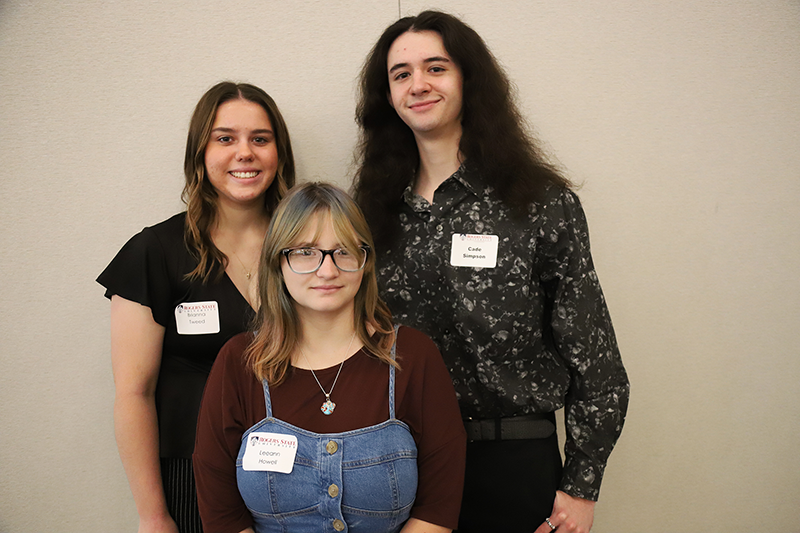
(197, 318)
(474, 250)
(269, 452)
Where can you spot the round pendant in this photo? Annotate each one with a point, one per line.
(328, 407)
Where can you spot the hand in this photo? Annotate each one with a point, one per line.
(570, 515)
(419, 526)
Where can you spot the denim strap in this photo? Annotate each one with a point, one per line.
(267, 400)
(391, 375)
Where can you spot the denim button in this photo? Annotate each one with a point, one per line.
(333, 491)
(338, 525)
(331, 447)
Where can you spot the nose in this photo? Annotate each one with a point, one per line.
(419, 84)
(327, 269)
(244, 153)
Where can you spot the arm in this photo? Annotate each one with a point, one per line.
(136, 341)
(583, 336)
(418, 526)
(222, 421)
(430, 408)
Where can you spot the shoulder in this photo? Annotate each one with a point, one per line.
(409, 338)
(230, 368)
(415, 349)
(174, 223)
(559, 212)
(555, 200)
(159, 237)
(550, 207)
(169, 230)
(232, 351)
(148, 263)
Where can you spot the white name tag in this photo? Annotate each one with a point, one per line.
(197, 318)
(269, 452)
(474, 250)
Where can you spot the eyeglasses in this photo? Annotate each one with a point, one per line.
(307, 260)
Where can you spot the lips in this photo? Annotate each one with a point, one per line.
(327, 288)
(423, 106)
(244, 174)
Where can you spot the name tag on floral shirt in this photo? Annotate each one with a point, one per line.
(474, 250)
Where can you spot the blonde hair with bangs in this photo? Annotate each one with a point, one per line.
(277, 328)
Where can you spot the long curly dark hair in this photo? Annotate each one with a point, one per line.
(495, 139)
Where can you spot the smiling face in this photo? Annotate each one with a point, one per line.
(241, 156)
(425, 85)
(328, 290)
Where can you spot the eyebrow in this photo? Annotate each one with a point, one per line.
(434, 59)
(315, 245)
(232, 130)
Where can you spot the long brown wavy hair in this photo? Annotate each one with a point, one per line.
(277, 326)
(495, 138)
(198, 193)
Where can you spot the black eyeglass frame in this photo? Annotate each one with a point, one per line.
(286, 251)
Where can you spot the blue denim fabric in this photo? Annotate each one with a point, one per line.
(374, 470)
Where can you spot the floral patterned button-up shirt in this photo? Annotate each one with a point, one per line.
(531, 335)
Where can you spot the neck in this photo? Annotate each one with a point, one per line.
(239, 234)
(236, 222)
(325, 339)
(439, 158)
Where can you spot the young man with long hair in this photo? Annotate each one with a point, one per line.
(483, 246)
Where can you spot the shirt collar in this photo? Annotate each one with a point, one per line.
(466, 175)
(472, 180)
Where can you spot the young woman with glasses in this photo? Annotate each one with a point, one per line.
(327, 416)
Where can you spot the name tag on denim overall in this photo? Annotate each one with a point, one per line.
(474, 250)
(197, 318)
(269, 452)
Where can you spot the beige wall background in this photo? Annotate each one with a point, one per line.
(681, 119)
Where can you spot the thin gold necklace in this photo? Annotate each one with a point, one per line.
(328, 406)
(246, 272)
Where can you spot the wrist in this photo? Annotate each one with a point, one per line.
(156, 520)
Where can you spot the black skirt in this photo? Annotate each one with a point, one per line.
(181, 494)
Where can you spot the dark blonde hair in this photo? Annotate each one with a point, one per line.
(199, 194)
(277, 328)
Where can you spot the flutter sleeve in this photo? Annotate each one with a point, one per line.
(140, 273)
(597, 399)
(225, 414)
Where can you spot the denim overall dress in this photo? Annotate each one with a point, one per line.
(363, 480)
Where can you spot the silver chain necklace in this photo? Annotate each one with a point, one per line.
(328, 406)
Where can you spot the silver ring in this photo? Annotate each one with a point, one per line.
(552, 527)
